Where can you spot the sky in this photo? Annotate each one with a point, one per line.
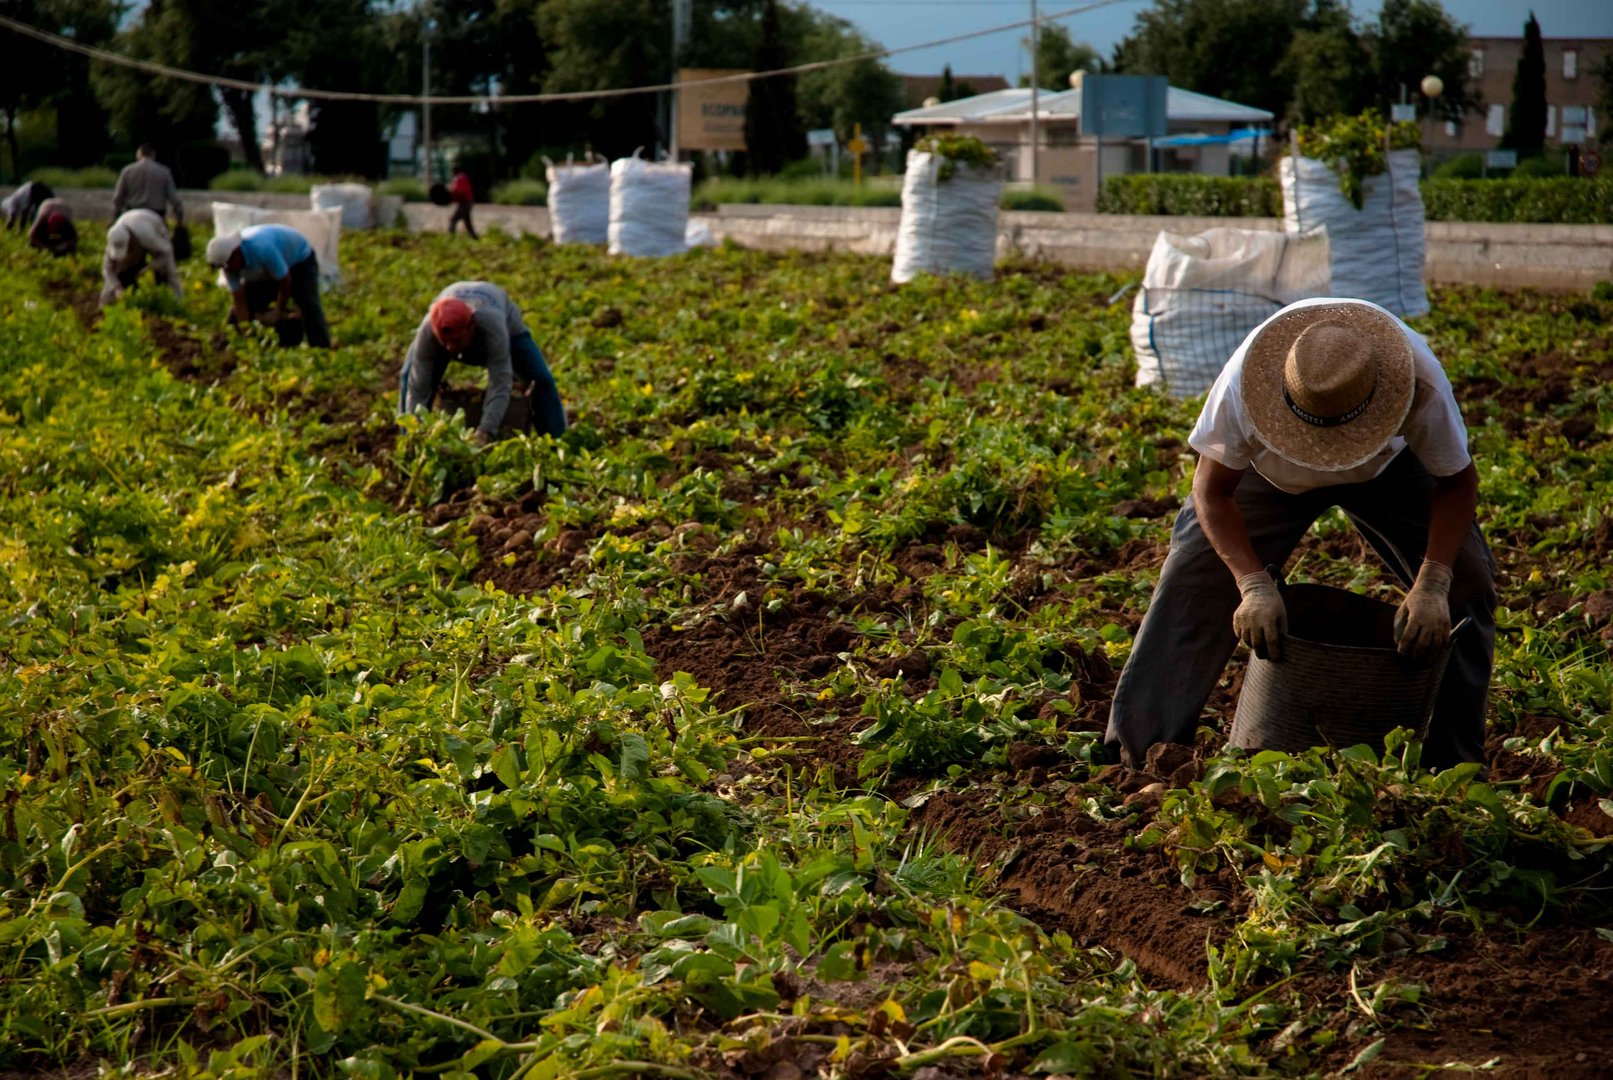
(895, 23)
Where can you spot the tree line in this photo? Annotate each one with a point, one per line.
(73, 108)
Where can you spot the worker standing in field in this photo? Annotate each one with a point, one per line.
(1327, 403)
(260, 255)
(463, 195)
(137, 237)
(476, 322)
(22, 205)
(53, 228)
(147, 184)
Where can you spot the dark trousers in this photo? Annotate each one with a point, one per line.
(461, 213)
(261, 296)
(1186, 637)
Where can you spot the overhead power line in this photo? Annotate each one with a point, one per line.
(152, 67)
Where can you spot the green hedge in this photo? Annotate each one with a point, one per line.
(522, 193)
(1557, 200)
(96, 176)
(1562, 200)
(1184, 194)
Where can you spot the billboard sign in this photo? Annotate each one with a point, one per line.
(711, 117)
(1130, 106)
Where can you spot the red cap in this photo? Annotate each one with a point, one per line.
(56, 221)
(451, 316)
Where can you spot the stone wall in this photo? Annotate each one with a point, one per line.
(1555, 257)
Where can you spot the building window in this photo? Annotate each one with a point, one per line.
(1475, 64)
(1551, 121)
(1495, 121)
(1451, 129)
(1570, 63)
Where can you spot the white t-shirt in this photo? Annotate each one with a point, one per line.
(1433, 428)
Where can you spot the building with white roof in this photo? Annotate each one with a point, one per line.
(1202, 132)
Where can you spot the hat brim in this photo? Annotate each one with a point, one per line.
(1328, 449)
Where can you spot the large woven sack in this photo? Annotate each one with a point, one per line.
(322, 229)
(579, 203)
(948, 226)
(1203, 293)
(1376, 251)
(355, 201)
(649, 207)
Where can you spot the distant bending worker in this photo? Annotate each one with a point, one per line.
(147, 185)
(136, 238)
(22, 205)
(261, 256)
(53, 228)
(477, 323)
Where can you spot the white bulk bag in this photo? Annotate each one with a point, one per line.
(321, 228)
(649, 207)
(1377, 251)
(579, 203)
(355, 201)
(1202, 294)
(948, 226)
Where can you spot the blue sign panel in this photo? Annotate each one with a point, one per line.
(1125, 105)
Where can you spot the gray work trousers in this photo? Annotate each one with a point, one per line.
(1186, 637)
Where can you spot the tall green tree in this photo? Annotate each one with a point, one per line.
(37, 76)
(1329, 67)
(1414, 38)
(947, 89)
(861, 92)
(1058, 56)
(176, 116)
(1526, 126)
(773, 133)
(340, 46)
(1231, 49)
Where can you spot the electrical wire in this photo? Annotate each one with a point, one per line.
(152, 67)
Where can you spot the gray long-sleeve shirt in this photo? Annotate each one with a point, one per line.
(147, 185)
(498, 322)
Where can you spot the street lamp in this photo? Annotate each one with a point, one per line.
(1432, 86)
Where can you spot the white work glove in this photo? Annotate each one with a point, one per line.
(1423, 621)
(1262, 619)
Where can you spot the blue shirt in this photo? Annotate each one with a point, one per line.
(268, 253)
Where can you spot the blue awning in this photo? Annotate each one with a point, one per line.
(1199, 139)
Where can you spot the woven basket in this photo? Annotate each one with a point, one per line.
(1340, 681)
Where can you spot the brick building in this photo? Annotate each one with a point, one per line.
(1571, 94)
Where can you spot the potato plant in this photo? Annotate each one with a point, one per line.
(753, 723)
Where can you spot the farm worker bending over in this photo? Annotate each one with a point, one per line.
(53, 229)
(1327, 403)
(275, 254)
(138, 235)
(21, 205)
(477, 322)
(147, 185)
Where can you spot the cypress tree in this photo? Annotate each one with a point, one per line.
(1526, 127)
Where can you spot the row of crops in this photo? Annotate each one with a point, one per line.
(751, 728)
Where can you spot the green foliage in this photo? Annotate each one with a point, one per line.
(955, 150)
(813, 191)
(1185, 194)
(1561, 200)
(94, 177)
(411, 188)
(1059, 56)
(1045, 199)
(237, 180)
(1541, 166)
(1356, 147)
(522, 193)
(1460, 167)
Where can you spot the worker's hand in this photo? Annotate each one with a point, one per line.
(1423, 622)
(1262, 619)
(480, 437)
(269, 318)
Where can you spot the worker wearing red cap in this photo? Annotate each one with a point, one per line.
(476, 322)
(53, 229)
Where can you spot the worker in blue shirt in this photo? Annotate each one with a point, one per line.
(261, 255)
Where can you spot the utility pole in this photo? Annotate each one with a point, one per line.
(425, 93)
(682, 24)
(1036, 97)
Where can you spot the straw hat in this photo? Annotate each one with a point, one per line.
(1327, 385)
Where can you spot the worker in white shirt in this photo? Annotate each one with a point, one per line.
(138, 237)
